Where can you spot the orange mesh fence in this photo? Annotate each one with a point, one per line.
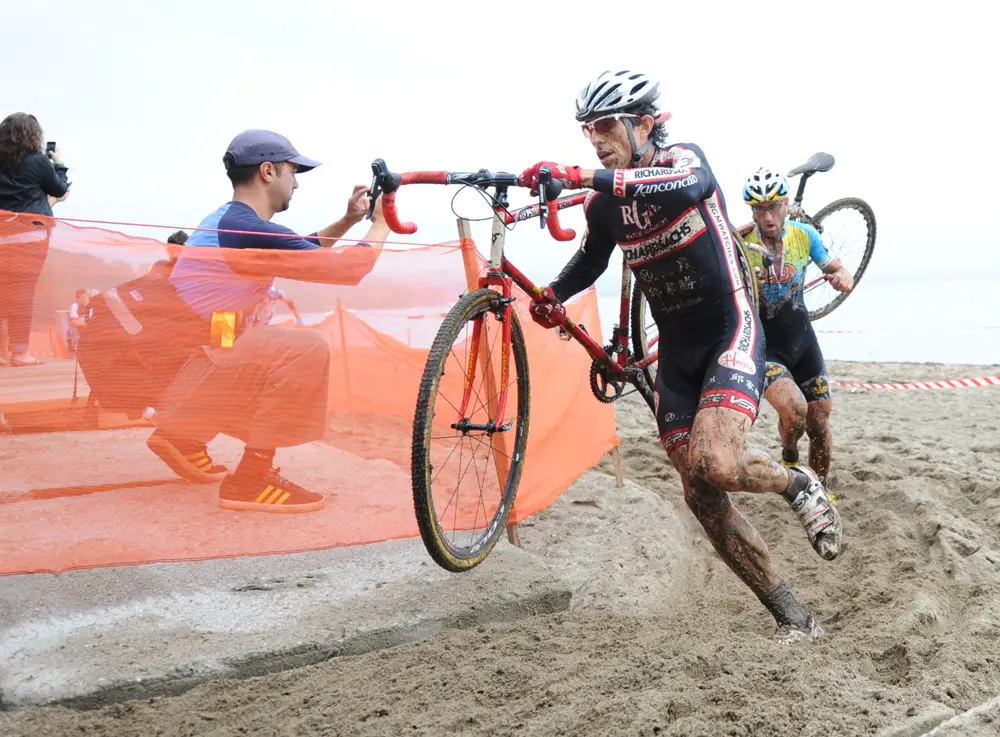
(334, 391)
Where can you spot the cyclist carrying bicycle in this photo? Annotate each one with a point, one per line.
(661, 204)
(795, 379)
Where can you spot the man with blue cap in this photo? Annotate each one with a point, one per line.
(266, 386)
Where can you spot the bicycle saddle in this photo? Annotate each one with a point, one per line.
(817, 162)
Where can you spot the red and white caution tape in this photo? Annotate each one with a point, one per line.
(897, 331)
(924, 385)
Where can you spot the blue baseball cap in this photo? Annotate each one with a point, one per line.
(254, 147)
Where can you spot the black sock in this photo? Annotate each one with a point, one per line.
(797, 481)
(784, 607)
(255, 461)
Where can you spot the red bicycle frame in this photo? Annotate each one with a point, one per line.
(500, 273)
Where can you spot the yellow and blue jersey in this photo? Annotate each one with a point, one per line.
(792, 347)
(783, 289)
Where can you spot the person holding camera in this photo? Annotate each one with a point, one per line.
(30, 183)
(265, 385)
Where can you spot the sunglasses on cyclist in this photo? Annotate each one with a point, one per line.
(603, 126)
(769, 207)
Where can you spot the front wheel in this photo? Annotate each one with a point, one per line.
(467, 458)
(848, 230)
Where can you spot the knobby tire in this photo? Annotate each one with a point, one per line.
(449, 557)
(865, 210)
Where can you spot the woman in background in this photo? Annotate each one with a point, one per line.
(30, 182)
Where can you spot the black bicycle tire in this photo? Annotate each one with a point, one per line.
(431, 532)
(746, 270)
(866, 211)
(639, 351)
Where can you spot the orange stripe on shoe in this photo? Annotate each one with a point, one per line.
(277, 492)
(267, 490)
(283, 498)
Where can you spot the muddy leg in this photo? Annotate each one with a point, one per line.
(820, 439)
(788, 402)
(739, 544)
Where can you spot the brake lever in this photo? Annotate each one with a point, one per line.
(544, 183)
(549, 190)
(383, 182)
(373, 193)
(379, 172)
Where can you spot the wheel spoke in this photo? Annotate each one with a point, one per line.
(458, 485)
(462, 366)
(846, 235)
(479, 503)
(458, 488)
(500, 490)
(446, 460)
(488, 366)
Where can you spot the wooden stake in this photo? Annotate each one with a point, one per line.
(617, 458)
(347, 368)
(471, 263)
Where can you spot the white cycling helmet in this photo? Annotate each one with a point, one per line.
(765, 186)
(615, 92)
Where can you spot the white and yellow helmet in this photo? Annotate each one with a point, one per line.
(765, 186)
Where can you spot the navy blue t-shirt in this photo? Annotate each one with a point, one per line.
(208, 284)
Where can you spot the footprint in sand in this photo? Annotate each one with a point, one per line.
(893, 665)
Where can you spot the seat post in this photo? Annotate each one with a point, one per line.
(802, 187)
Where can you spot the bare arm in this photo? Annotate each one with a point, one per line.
(357, 206)
(840, 278)
(833, 267)
(378, 232)
(346, 265)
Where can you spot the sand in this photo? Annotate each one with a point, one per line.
(661, 638)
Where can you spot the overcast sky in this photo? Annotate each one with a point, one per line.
(143, 98)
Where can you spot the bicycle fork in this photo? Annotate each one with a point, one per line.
(496, 397)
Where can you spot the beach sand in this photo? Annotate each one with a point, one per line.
(661, 638)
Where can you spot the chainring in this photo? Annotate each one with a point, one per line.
(604, 389)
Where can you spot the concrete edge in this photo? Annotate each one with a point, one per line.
(264, 663)
(960, 721)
